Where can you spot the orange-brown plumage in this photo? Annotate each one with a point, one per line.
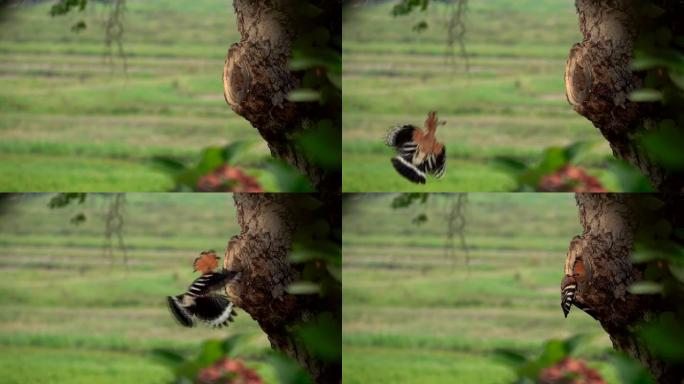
(419, 152)
(206, 262)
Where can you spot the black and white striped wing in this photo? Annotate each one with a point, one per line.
(400, 135)
(408, 170)
(435, 164)
(214, 310)
(180, 312)
(210, 282)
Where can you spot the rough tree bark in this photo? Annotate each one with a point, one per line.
(257, 80)
(598, 80)
(610, 223)
(260, 252)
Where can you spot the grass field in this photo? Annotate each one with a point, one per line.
(70, 314)
(511, 102)
(413, 315)
(70, 121)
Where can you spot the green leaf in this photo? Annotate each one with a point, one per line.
(645, 288)
(664, 337)
(335, 271)
(168, 357)
(288, 178)
(578, 150)
(322, 144)
(168, 164)
(287, 370)
(210, 159)
(232, 343)
(554, 351)
(509, 164)
(629, 178)
(553, 158)
(509, 357)
(646, 95)
(630, 371)
(304, 95)
(677, 271)
(322, 336)
(212, 350)
(235, 150)
(303, 288)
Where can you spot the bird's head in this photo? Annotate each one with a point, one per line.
(206, 262)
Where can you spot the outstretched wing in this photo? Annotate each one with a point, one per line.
(179, 312)
(210, 282)
(408, 170)
(435, 164)
(215, 310)
(400, 135)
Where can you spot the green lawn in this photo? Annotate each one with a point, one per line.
(71, 314)
(71, 121)
(511, 102)
(412, 314)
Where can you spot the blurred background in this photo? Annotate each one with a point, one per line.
(509, 102)
(76, 116)
(418, 310)
(74, 310)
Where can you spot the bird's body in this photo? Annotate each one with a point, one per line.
(575, 271)
(203, 299)
(418, 151)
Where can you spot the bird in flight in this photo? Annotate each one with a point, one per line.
(418, 152)
(203, 300)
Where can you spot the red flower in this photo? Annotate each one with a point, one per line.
(228, 371)
(570, 178)
(570, 371)
(228, 179)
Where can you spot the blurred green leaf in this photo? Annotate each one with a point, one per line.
(233, 152)
(303, 288)
(335, 271)
(554, 351)
(509, 164)
(303, 95)
(630, 179)
(168, 164)
(665, 145)
(322, 335)
(211, 351)
(210, 159)
(630, 371)
(288, 178)
(322, 144)
(553, 158)
(677, 271)
(232, 343)
(646, 95)
(287, 370)
(664, 337)
(509, 357)
(645, 288)
(168, 357)
(578, 151)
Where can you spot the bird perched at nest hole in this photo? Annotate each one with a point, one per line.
(202, 300)
(418, 152)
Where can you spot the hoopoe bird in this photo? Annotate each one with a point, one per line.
(418, 151)
(202, 300)
(574, 271)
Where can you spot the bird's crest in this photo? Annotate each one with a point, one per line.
(206, 262)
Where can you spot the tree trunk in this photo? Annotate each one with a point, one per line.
(598, 81)
(269, 223)
(257, 80)
(610, 223)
